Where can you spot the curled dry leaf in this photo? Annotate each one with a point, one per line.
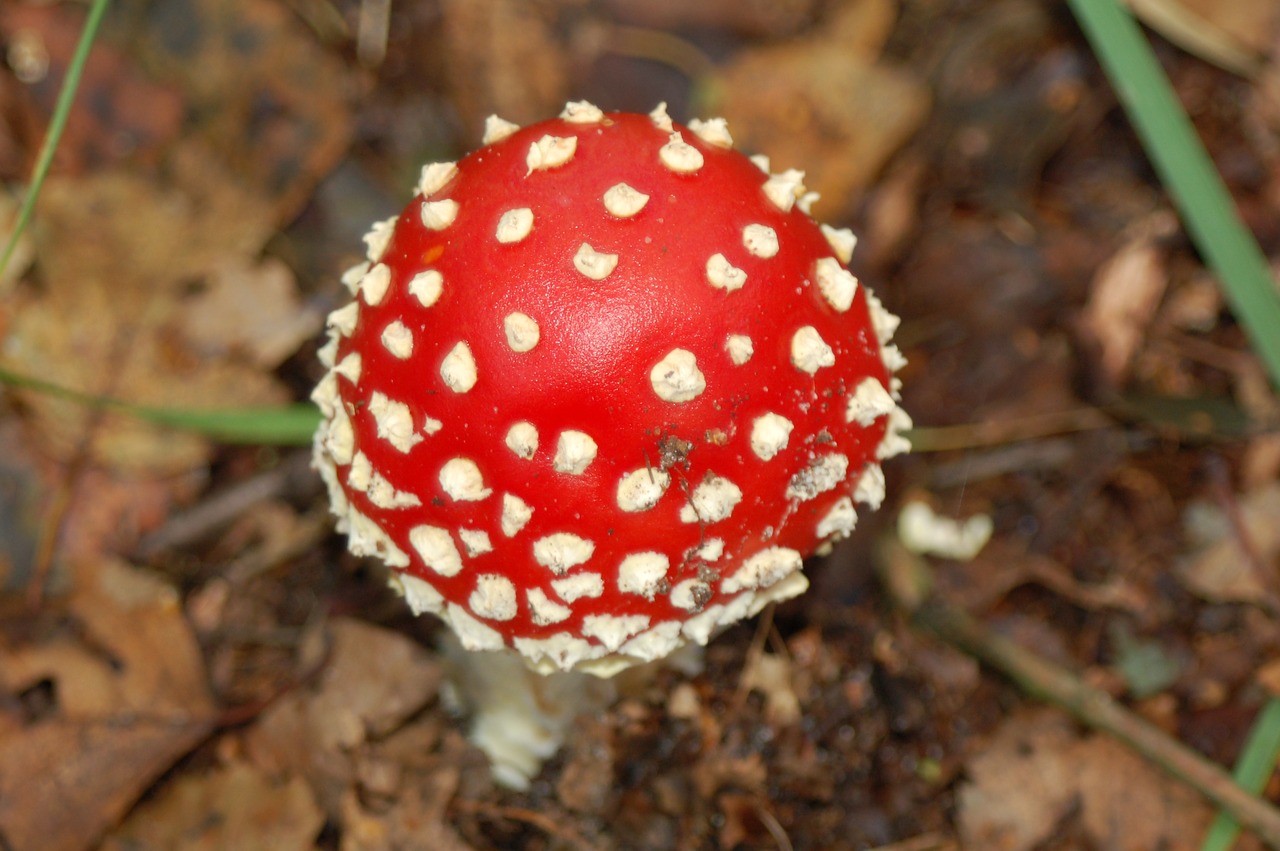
(233, 806)
(1035, 770)
(132, 700)
(771, 675)
(1125, 294)
(1236, 565)
(825, 103)
(1232, 34)
(374, 679)
(250, 309)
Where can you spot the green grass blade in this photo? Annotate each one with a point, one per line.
(61, 110)
(1206, 207)
(289, 425)
(1253, 770)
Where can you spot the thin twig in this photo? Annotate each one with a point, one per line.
(1049, 682)
(219, 509)
(1001, 432)
(752, 659)
(541, 821)
(1206, 207)
(771, 824)
(923, 842)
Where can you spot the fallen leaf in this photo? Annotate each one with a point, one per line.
(770, 674)
(1035, 770)
(138, 237)
(815, 103)
(1232, 34)
(1123, 299)
(269, 104)
(416, 820)
(100, 770)
(249, 309)
(501, 56)
(1222, 570)
(132, 699)
(117, 253)
(1019, 784)
(1128, 804)
(231, 806)
(374, 679)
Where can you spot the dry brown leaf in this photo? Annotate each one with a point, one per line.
(1035, 770)
(250, 309)
(101, 769)
(116, 253)
(232, 806)
(815, 104)
(1225, 571)
(502, 57)
(771, 675)
(134, 236)
(1128, 804)
(1233, 34)
(132, 650)
(416, 820)
(269, 102)
(132, 699)
(1125, 293)
(1019, 785)
(373, 681)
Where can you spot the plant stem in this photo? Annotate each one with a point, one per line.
(908, 582)
(62, 109)
(1206, 207)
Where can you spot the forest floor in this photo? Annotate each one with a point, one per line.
(185, 645)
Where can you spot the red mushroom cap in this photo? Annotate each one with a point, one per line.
(604, 385)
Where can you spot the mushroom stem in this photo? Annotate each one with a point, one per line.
(520, 718)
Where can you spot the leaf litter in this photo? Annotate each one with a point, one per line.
(251, 685)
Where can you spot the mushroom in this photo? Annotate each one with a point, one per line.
(603, 386)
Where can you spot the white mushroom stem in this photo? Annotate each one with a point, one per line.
(520, 718)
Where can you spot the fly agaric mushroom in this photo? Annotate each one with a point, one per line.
(603, 386)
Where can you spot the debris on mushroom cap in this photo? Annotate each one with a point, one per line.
(603, 386)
